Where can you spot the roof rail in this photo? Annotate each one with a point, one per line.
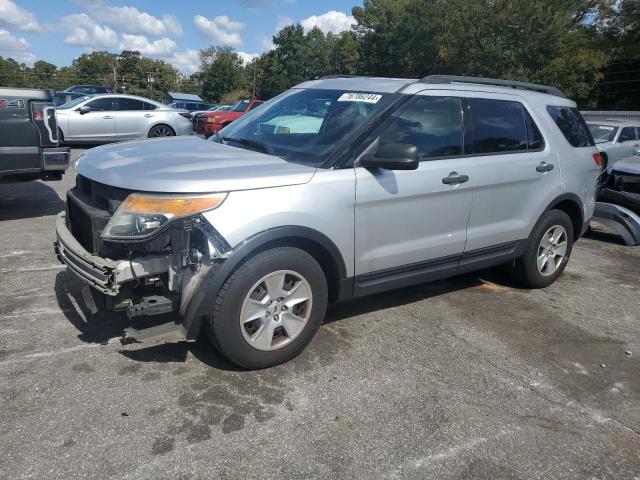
(494, 82)
(339, 75)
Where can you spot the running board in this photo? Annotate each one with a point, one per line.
(169, 332)
(622, 220)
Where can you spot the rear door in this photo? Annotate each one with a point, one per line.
(99, 124)
(414, 222)
(518, 172)
(132, 120)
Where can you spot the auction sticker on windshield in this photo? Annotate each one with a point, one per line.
(360, 97)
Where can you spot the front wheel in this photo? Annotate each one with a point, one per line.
(269, 309)
(548, 251)
(161, 131)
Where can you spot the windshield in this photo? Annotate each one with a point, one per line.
(73, 103)
(306, 125)
(240, 106)
(603, 133)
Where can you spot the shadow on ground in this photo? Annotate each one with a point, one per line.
(28, 200)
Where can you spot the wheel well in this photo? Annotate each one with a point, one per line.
(162, 125)
(317, 251)
(574, 211)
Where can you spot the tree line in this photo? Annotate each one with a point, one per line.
(588, 48)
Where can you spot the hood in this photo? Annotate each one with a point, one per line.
(627, 165)
(187, 165)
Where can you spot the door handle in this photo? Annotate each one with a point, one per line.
(148, 115)
(544, 167)
(454, 179)
(107, 117)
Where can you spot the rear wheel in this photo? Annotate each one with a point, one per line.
(161, 131)
(269, 309)
(547, 253)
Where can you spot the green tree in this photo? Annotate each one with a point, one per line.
(221, 72)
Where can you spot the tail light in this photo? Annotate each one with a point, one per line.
(186, 115)
(37, 115)
(597, 158)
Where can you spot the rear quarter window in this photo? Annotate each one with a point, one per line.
(572, 126)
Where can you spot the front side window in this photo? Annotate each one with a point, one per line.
(102, 104)
(498, 126)
(433, 124)
(603, 133)
(255, 104)
(627, 134)
(306, 125)
(572, 126)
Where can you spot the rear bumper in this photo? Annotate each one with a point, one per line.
(55, 159)
(103, 274)
(623, 198)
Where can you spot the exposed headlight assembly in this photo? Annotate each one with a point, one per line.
(141, 215)
(211, 119)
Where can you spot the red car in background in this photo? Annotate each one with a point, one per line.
(208, 123)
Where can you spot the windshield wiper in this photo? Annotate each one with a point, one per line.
(251, 143)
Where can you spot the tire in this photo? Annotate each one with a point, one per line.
(161, 131)
(554, 225)
(253, 333)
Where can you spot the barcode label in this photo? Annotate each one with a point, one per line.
(360, 97)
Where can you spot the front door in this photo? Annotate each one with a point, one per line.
(627, 140)
(98, 124)
(408, 222)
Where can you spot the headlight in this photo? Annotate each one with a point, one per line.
(211, 119)
(141, 215)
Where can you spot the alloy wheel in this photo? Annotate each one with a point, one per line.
(552, 250)
(276, 310)
(162, 132)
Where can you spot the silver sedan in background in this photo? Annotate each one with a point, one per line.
(113, 117)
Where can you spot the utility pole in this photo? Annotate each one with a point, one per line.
(115, 77)
(255, 69)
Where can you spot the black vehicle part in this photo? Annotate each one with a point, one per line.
(153, 305)
(622, 220)
(493, 82)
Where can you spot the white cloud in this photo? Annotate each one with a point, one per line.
(266, 43)
(247, 57)
(16, 18)
(84, 32)
(187, 62)
(17, 48)
(221, 30)
(133, 21)
(332, 21)
(158, 48)
(283, 21)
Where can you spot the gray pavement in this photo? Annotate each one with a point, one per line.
(466, 378)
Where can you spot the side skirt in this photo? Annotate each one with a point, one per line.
(436, 269)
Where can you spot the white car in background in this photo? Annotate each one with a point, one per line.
(112, 118)
(615, 139)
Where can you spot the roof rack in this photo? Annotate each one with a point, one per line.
(494, 82)
(339, 75)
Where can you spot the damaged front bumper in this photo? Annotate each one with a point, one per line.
(144, 285)
(104, 275)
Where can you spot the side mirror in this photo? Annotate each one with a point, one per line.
(636, 151)
(392, 156)
(84, 110)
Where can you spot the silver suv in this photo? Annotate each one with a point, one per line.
(336, 189)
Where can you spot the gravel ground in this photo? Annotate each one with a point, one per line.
(466, 378)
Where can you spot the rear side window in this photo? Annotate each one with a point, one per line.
(433, 124)
(130, 104)
(148, 106)
(499, 126)
(572, 126)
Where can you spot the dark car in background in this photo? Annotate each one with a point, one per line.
(88, 89)
(192, 106)
(29, 145)
(60, 98)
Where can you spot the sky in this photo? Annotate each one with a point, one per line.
(58, 31)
